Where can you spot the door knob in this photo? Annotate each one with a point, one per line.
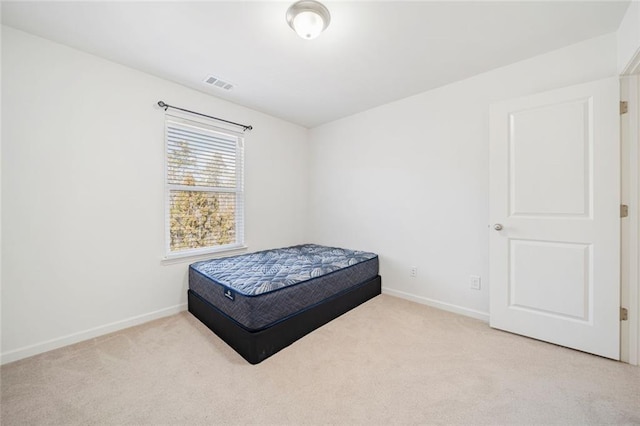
(497, 227)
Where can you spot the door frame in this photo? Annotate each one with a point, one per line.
(630, 226)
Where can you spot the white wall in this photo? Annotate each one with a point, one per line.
(629, 38)
(409, 179)
(82, 193)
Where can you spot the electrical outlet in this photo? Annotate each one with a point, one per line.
(474, 282)
(413, 271)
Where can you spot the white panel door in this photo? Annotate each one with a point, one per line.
(554, 211)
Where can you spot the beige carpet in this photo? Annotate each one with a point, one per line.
(388, 361)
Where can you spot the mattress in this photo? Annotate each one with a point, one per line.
(258, 290)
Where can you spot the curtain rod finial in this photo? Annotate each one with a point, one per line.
(161, 104)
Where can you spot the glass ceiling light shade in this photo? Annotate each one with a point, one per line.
(308, 18)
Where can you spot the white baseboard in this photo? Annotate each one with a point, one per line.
(483, 316)
(70, 339)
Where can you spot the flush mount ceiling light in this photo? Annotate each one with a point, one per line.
(308, 18)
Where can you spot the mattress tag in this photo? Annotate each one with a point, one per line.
(229, 294)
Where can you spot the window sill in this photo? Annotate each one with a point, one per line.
(194, 257)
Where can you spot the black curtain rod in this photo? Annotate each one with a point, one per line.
(161, 104)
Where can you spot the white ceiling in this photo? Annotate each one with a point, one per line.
(371, 54)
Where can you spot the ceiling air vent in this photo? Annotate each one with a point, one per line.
(218, 83)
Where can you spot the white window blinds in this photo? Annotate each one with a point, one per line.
(204, 188)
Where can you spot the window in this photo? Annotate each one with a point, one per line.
(204, 188)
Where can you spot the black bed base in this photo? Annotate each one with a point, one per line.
(256, 346)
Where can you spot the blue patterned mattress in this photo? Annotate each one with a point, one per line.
(259, 289)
